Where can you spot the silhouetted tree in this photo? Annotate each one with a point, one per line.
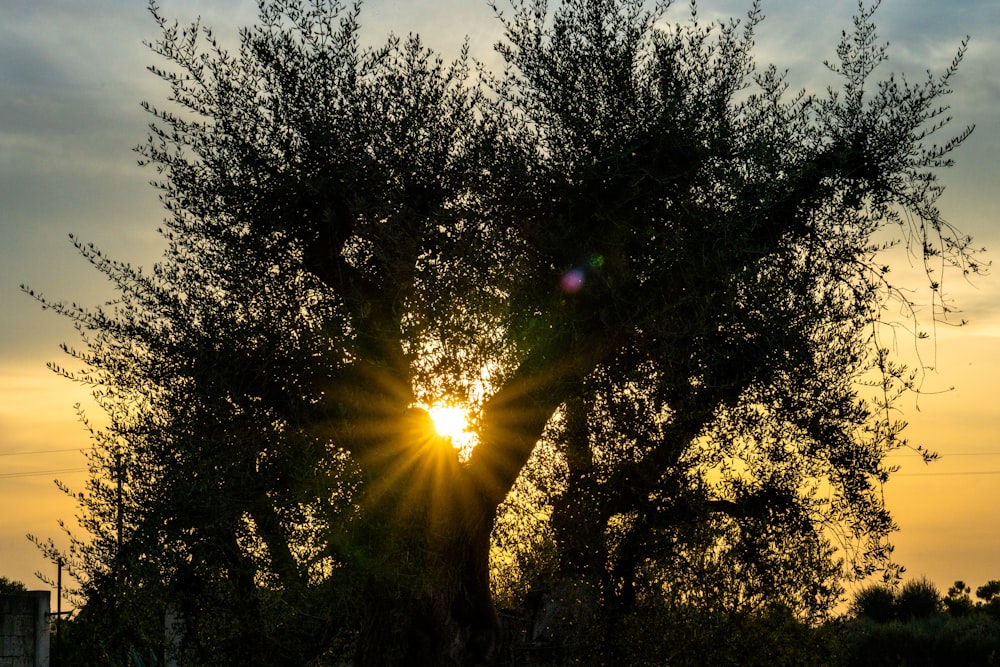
(990, 595)
(918, 598)
(909, 627)
(876, 602)
(958, 602)
(11, 586)
(631, 237)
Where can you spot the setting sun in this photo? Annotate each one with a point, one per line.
(450, 421)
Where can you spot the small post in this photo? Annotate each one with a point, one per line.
(58, 646)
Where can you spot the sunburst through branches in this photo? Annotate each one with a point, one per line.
(452, 421)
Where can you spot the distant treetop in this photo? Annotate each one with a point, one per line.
(11, 586)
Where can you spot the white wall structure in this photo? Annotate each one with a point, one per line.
(24, 629)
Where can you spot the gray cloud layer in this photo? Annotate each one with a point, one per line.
(72, 75)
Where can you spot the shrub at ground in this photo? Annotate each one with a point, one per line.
(934, 641)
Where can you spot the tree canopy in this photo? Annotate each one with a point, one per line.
(11, 586)
(653, 275)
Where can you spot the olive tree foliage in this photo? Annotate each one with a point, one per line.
(632, 253)
(740, 462)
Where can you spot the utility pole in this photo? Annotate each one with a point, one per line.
(119, 472)
(58, 651)
(118, 596)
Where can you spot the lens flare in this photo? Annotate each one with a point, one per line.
(572, 281)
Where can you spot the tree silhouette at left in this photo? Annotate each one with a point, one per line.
(11, 586)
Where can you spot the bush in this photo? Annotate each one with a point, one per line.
(686, 636)
(934, 641)
(919, 598)
(876, 603)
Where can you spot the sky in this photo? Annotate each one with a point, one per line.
(72, 76)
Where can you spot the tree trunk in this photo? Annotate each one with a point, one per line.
(443, 615)
(431, 605)
(427, 598)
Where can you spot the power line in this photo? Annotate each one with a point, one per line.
(936, 474)
(40, 451)
(946, 455)
(39, 473)
(942, 457)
